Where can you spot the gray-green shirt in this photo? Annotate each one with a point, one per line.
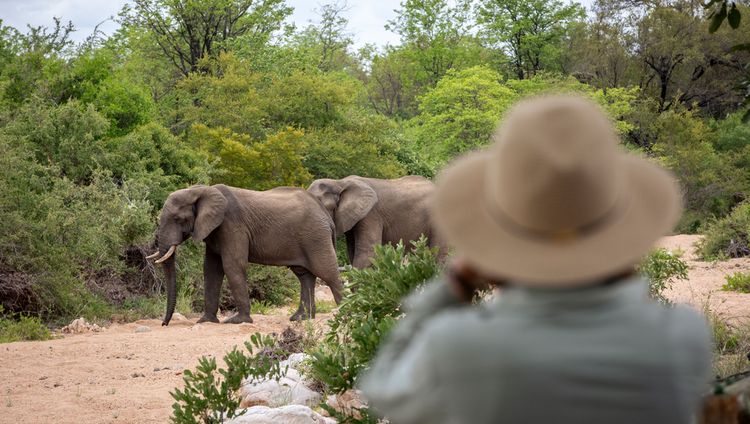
(604, 354)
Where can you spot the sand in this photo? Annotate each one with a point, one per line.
(121, 376)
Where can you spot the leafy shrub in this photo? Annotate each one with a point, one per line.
(662, 268)
(727, 237)
(369, 313)
(739, 282)
(210, 393)
(24, 328)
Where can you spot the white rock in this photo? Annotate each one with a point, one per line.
(142, 329)
(178, 317)
(80, 325)
(294, 360)
(290, 414)
(286, 391)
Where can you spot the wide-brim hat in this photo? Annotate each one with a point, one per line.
(554, 202)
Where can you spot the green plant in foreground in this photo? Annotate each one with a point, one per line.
(367, 315)
(739, 282)
(26, 328)
(210, 393)
(661, 268)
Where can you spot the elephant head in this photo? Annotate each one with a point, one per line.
(195, 211)
(347, 201)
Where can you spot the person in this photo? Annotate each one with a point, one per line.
(559, 215)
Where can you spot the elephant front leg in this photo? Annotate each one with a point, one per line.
(306, 308)
(237, 277)
(213, 276)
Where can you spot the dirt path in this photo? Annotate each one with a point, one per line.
(120, 376)
(703, 287)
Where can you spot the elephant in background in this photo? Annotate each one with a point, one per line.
(372, 211)
(284, 226)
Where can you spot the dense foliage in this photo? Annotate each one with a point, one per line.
(370, 311)
(96, 134)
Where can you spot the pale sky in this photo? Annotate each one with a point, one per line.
(367, 18)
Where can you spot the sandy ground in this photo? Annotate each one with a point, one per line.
(702, 289)
(120, 376)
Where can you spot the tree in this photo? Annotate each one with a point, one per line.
(189, 30)
(460, 113)
(684, 64)
(391, 88)
(433, 32)
(528, 30)
(730, 10)
(331, 34)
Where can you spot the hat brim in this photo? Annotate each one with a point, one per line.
(652, 209)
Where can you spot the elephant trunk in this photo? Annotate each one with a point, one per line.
(171, 277)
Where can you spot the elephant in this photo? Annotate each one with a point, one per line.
(284, 226)
(372, 211)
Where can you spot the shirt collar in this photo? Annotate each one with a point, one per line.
(630, 289)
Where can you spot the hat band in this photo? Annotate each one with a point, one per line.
(565, 235)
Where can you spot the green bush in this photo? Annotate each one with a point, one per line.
(369, 313)
(727, 237)
(739, 282)
(24, 328)
(210, 393)
(274, 284)
(662, 268)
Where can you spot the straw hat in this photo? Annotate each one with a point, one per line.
(554, 202)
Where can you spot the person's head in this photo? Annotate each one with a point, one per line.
(554, 202)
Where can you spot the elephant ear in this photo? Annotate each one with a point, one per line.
(210, 208)
(355, 202)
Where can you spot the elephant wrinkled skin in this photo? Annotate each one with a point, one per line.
(284, 226)
(372, 211)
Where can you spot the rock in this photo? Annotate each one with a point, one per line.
(290, 414)
(290, 389)
(286, 391)
(294, 360)
(347, 403)
(323, 293)
(137, 374)
(142, 329)
(178, 317)
(80, 325)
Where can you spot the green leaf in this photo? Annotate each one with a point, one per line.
(734, 17)
(746, 117)
(740, 47)
(717, 20)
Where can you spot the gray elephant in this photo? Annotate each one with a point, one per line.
(284, 226)
(372, 211)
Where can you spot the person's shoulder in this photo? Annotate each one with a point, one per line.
(686, 325)
(457, 325)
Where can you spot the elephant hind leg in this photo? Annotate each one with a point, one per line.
(307, 294)
(326, 268)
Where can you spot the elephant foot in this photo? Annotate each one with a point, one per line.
(238, 319)
(209, 318)
(301, 315)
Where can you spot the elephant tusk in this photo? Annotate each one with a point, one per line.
(154, 255)
(166, 255)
